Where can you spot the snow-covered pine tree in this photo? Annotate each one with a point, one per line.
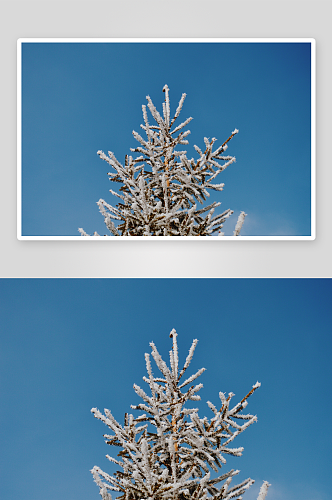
(160, 188)
(168, 452)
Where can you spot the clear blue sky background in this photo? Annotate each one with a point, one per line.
(82, 97)
(69, 345)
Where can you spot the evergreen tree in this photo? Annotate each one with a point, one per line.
(160, 188)
(168, 452)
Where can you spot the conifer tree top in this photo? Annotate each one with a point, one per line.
(161, 188)
(167, 451)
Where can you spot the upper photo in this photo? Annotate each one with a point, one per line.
(166, 138)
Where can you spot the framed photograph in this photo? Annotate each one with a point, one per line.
(166, 138)
(254, 354)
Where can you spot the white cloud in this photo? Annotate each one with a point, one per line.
(278, 491)
(266, 225)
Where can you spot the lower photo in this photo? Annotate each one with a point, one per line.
(165, 389)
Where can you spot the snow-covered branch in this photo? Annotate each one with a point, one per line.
(159, 196)
(172, 455)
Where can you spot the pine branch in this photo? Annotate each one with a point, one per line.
(174, 461)
(160, 188)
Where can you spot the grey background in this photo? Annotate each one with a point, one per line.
(157, 18)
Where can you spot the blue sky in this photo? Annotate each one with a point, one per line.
(79, 98)
(69, 345)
